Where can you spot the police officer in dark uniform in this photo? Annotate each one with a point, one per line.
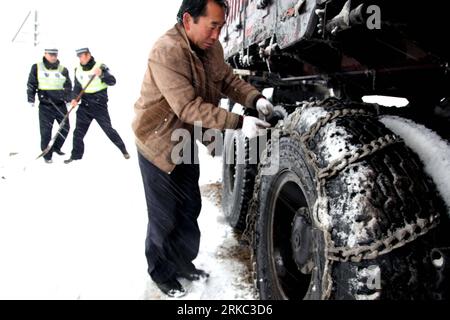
(50, 80)
(94, 103)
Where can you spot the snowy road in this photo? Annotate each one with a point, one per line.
(77, 232)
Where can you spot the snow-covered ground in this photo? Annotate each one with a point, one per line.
(77, 231)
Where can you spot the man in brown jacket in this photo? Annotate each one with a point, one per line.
(185, 79)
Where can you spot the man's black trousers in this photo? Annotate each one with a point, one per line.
(85, 114)
(47, 116)
(173, 206)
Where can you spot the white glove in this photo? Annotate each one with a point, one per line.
(251, 127)
(265, 107)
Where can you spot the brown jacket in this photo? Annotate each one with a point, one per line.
(181, 87)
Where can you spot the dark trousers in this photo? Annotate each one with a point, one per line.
(85, 114)
(173, 206)
(47, 116)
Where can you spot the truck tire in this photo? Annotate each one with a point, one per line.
(238, 179)
(239, 176)
(238, 173)
(300, 223)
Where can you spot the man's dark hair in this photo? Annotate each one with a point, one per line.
(197, 8)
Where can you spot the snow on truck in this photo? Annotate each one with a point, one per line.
(350, 212)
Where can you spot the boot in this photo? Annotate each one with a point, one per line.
(59, 152)
(172, 288)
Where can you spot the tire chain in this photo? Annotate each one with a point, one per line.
(393, 241)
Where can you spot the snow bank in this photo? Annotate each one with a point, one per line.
(431, 148)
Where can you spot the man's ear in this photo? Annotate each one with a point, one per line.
(187, 19)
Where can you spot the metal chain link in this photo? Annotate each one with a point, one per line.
(341, 254)
(330, 117)
(396, 240)
(351, 157)
(401, 236)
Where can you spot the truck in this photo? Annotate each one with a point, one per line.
(349, 212)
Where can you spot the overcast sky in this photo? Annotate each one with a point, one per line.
(104, 26)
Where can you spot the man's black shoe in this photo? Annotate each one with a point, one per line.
(194, 275)
(172, 288)
(68, 160)
(59, 152)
